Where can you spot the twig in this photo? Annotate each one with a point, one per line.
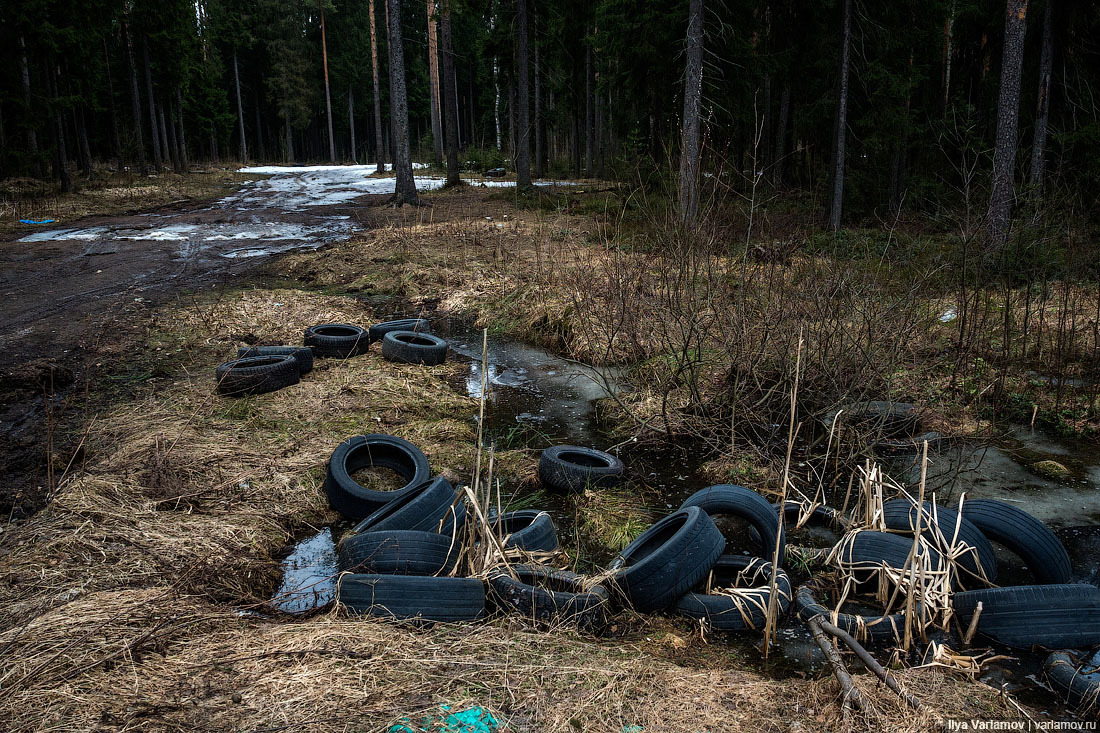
(851, 694)
(870, 662)
(770, 618)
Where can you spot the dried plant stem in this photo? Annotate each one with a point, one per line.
(913, 552)
(973, 628)
(769, 625)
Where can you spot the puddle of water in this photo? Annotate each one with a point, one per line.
(309, 575)
(1001, 471)
(532, 390)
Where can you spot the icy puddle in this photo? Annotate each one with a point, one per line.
(309, 575)
(265, 217)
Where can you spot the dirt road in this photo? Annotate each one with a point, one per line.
(66, 291)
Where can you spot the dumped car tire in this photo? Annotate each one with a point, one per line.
(364, 451)
(746, 504)
(255, 375)
(1077, 681)
(337, 340)
(407, 597)
(823, 515)
(572, 468)
(885, 629)
(409, 347)
(667, 560)
(398, 552)
(418, 325)
(747, 608)
(549, 597)
(901, 515)
(425, 507)
(865, 552)
(895, 426)
(1030, 539)
(1021, 616)
(527, 529)
(302, 354)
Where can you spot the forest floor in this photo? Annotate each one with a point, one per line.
(136, 598)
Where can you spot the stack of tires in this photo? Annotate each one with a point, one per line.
(260, 369)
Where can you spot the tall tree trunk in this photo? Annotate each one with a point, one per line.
(1008, 108)
(540, 130)
(836, 199)
(496, 102)
(450, 104)
(1042, 110)
(454, 86)
(948, 38)
(259, 130)
(433, 86)
(328, 94)
(61, 155)
(693, 92)
(378, 144)
(512, 117)
(405, 190)
(213, 143)
(185, 164)
(523, 102)
(899, 163)
(779, 159)
(116, 139)
(351, 123)
(240, 110)
(135, 100)
(83, 147)
(289, 138)
(157, 158)
(32, 136)
(165, 144)
(589, 120)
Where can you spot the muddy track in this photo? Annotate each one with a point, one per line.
(66, 293)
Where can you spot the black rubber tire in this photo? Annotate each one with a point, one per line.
(549, 597)
(877, 629)
(528, 529)
(302, 354)
(398, 552)
(1023, 534)
(337, 340)
(747, 504)
(1078, 682)
(408, 347)
(901, 515)
(362, 451)
(869, 550)
(418, 325)
(1022, 616)
(822, 516)
(722, 613)
(407, 597)
(255, 375)
(667, 560)
(572, 468)
(423, 508)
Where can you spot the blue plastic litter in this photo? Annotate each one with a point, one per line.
(32, 221)
(472, 720)
(633, 729)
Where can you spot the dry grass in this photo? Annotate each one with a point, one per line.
(129, 600)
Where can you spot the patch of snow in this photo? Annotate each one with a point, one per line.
(65, 234)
